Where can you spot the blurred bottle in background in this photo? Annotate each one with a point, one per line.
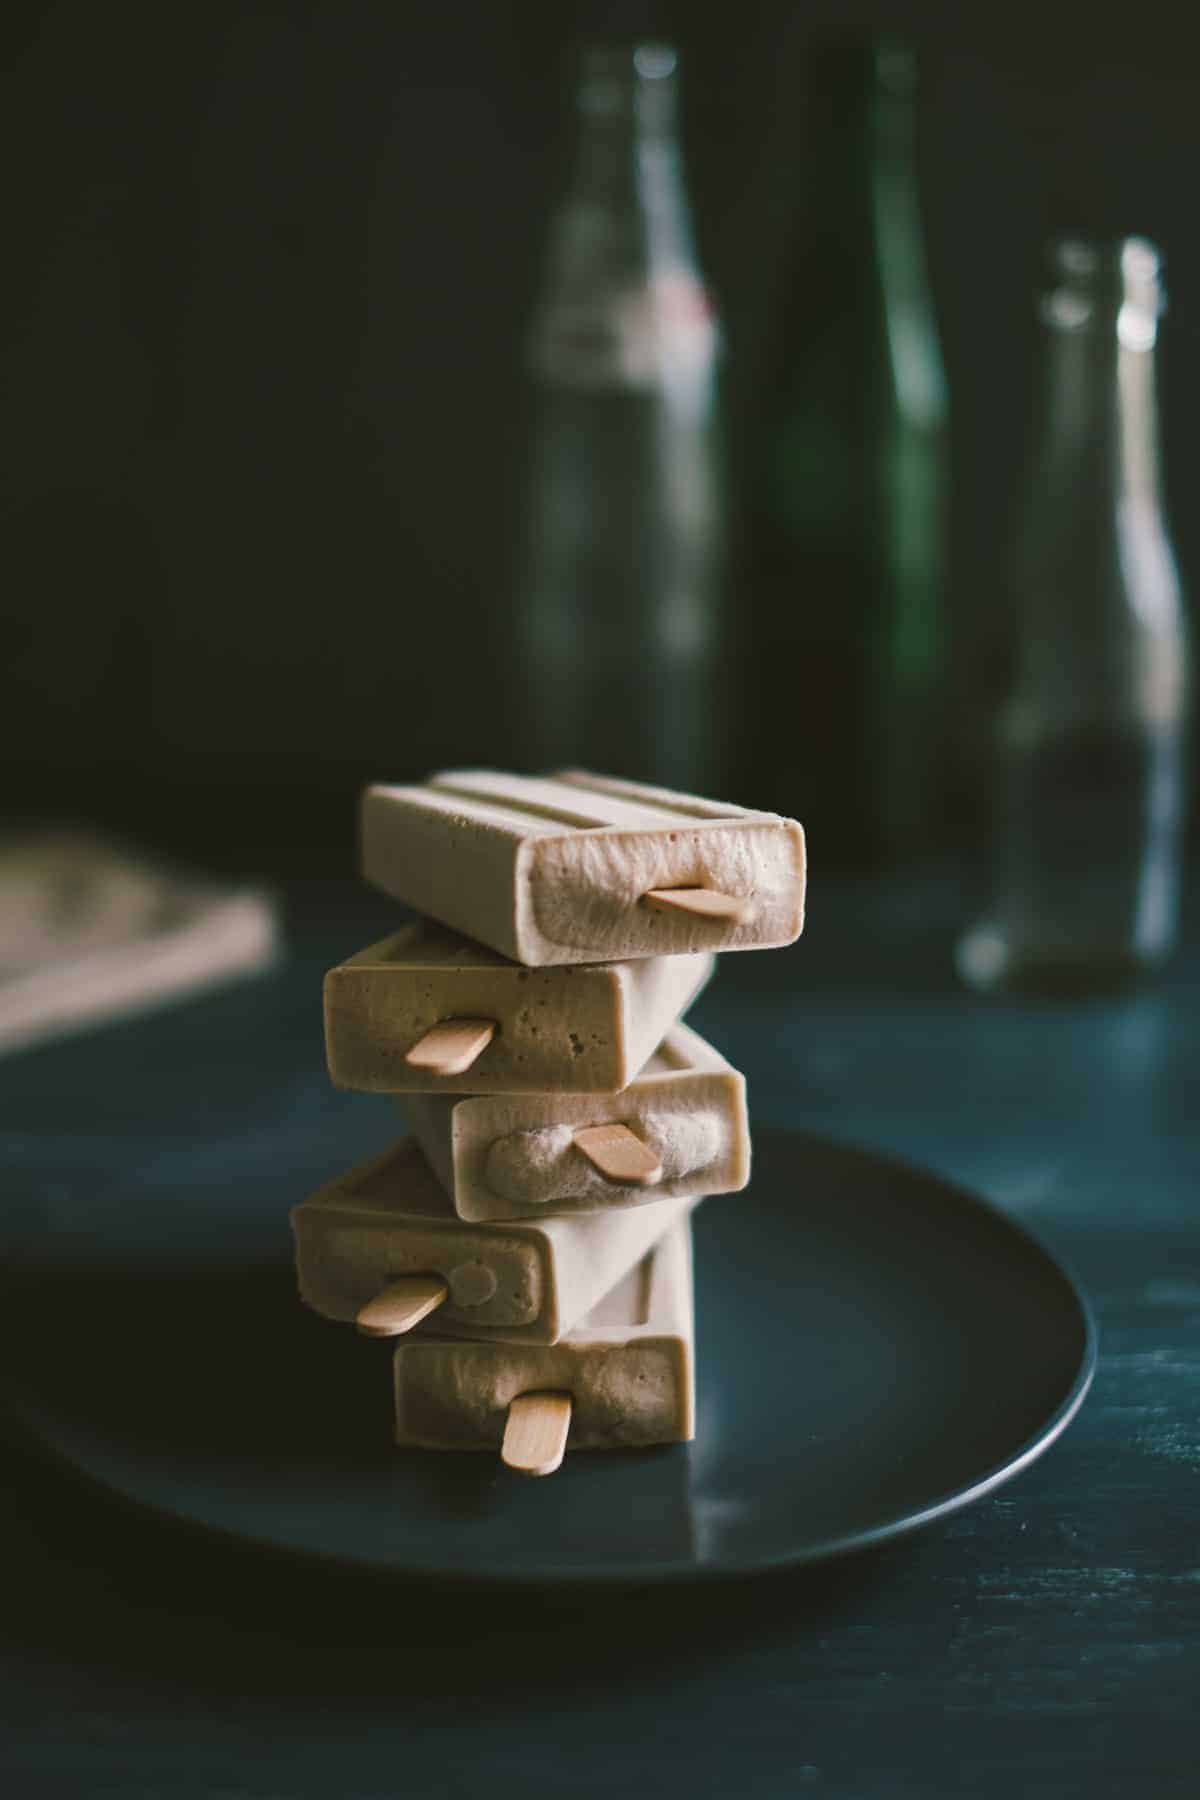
(618, 618)
(907, 677)
(1090, 745)
(846, 514)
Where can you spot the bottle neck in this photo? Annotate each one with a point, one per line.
(1100, 443)
(1097, 589)
(623, 304)
(627, 199)
(918, 378)
(1137, 447)
(604, 172)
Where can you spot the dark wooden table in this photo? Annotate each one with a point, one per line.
(1044, 1643)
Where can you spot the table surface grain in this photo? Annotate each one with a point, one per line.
(1043, 1643)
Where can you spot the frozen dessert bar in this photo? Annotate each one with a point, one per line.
(623, 1378)
(578, 869)
(392, 1011)
(510, 1156)
(378, 1244)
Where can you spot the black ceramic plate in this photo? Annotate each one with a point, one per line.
(875, 1350)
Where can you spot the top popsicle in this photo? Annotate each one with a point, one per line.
(577, 868)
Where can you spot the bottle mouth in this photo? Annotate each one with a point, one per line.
(1102, 281)
(1106, 263)
(655, 62)
(624, 78)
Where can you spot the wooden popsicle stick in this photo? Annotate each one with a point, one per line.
(535, 1433)
(702, 903)
(401, 1305)
(452, 1047)
(619, 1154)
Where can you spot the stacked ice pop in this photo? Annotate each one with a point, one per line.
(532, 1233)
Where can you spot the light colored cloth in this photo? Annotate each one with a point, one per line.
(90, 931)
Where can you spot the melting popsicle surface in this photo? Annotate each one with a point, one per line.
(507, 1156)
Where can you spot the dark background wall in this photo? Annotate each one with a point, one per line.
(266, 271)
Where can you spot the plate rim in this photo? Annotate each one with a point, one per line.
(662, 1571)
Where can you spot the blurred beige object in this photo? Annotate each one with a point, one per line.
(90, 931)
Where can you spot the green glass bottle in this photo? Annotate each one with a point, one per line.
(910, 644)
(848, 586)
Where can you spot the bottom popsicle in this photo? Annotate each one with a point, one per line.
(623, 1379)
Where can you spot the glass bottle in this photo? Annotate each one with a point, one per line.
(618, 621)
(907, 672)
(847, 528)
(1090, 745)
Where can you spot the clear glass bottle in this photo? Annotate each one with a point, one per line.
(618, 618)
(1090, 746)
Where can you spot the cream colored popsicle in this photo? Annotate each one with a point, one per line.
(628, 1370)
(577, 868)
(511, 1156)
(364, 1234)
(575, 1030)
